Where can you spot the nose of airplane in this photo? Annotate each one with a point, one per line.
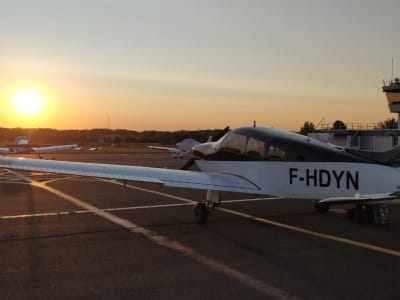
(203, 150)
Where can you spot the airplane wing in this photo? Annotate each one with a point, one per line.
(54, 148)
(167, 177)
(378, 198)
(170, 150)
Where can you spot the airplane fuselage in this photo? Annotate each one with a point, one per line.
(290, 165)
(315, 180)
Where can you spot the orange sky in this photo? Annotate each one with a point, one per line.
(197, 65)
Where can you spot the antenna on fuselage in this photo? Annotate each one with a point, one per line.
(254, 123)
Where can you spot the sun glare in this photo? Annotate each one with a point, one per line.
(27, 102)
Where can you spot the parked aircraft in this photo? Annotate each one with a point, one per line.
(183, 148)
(21, 145)
(263, 160)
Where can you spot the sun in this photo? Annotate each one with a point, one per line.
(27, 102)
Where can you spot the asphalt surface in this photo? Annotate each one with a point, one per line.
(81, 238)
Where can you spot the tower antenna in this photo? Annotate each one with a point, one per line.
(316, 127)
(392, 69)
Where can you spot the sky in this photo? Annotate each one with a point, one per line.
(185, 64)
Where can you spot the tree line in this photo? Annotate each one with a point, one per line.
(104, 136)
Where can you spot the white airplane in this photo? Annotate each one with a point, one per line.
(262, 160)
(183, 148)
(22, 146)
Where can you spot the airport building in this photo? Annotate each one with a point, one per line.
(367, 137)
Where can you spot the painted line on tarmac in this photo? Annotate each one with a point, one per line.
(262, 287)
(274, 223)
(313, 233)
(71, 178)
(75, 212)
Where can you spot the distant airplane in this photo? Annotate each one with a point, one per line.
(183, 148)
(268, 161)
(94, 149)
(22, 146)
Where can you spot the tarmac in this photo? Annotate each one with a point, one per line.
(67, 237)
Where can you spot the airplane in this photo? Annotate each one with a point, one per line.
(262, 161)
(21, 145)
(94, 149)
(183, 148)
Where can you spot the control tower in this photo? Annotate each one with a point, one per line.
(392, 90)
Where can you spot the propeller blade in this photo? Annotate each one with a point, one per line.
(191, 161)
(221, 134)
(188, 164)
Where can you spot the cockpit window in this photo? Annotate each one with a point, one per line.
(275, 153)
(237, 146)
(268, 144)
(255, 148)
(234, 143)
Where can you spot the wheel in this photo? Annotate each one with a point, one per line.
(321, 208)
(200, 213)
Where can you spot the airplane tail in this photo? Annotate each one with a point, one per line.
(21, 140)
(187, 144)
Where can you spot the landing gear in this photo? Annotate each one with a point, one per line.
(213, 199)
(200, 213)
(362, 213)
(201, 210)
(321, 208)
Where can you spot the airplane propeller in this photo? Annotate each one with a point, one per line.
(191, 161)
(188, 164)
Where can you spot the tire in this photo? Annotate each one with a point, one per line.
(200, 213)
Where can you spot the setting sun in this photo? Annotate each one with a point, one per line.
(27, 102)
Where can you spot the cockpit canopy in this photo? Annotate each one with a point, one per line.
(264, 143)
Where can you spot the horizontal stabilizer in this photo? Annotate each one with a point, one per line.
(387, 197)
(170, 150)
